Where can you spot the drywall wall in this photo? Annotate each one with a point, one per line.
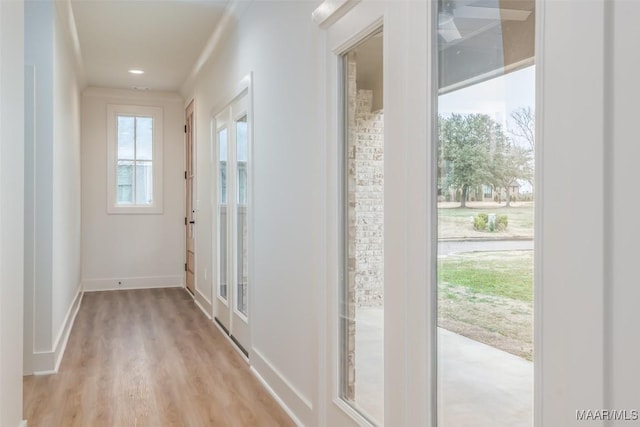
(621, 208)
(11, 210)
(39, 21)
(278, 42)
(52, 181)
(67, 85)
(135, 250)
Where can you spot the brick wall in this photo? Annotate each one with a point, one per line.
(365, 157)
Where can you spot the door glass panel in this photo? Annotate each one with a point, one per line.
(242, 231)
(362, 288)
(485, 190)
(222, 213)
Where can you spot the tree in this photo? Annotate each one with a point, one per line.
(510, 163)
(524, 130)
(465, 142)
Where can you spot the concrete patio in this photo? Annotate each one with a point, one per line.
(478, 385)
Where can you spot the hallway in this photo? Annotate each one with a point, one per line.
(148, 358)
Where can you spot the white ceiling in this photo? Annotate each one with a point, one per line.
(162, 37)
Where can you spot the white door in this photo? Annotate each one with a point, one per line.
(233, 178)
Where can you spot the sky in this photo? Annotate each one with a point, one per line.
(497, 97)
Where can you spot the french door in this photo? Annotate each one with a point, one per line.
(233, 177)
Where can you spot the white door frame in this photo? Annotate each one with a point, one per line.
(235, 323)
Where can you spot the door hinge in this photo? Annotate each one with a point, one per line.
(185, 266)
(185, 128)
(185, 174)
(185, 220)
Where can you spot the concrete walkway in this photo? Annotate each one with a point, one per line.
(478, 385)
(447, 247)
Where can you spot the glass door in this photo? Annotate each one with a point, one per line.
(233, 163)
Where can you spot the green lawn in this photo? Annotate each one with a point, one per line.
(456, 222)
(488, 297)
(503, 274)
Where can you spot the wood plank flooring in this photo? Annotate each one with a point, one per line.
(148, 358)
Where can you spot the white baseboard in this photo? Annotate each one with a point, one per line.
(299, 406)
(203, 302)
(23, 423)
(279, 401)
(202, 308)
(63, 336)
(117, 283)
(48, 362)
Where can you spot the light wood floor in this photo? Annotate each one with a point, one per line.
(148, 358)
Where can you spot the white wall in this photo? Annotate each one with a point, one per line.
(11, 210)
(67, 87)
(38, 179)
(622, 152)
(278, 42)
(52, 181)
(139, 250)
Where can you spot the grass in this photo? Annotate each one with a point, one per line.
(503, 274)
(488, 297)
(456, 222)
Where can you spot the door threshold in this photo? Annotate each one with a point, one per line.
(233, 339)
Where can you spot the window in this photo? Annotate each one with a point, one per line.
(485, 145)
(362, 286)
(134, 167)
(222, 213)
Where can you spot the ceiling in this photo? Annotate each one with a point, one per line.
(480, 39)
(164, 38)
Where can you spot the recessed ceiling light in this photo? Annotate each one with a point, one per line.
(135, 71)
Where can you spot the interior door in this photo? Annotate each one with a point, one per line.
(233, 149)
(189, 218)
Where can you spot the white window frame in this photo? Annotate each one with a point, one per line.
(113, 111)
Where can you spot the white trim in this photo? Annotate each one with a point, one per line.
(275, 397)
(231, 14)
(134, 95)
(301, 405)
(538, 226)
(48, 362)
(195, 300)
(223, 102)
(23, 423)
(364, 34)
(63, 336)
(111, 284)
(41, 373)
(330, 11)
(113, 110)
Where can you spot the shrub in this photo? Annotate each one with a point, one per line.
(480, 222)
(501, 222)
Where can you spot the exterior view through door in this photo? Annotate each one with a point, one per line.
(233, 195)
